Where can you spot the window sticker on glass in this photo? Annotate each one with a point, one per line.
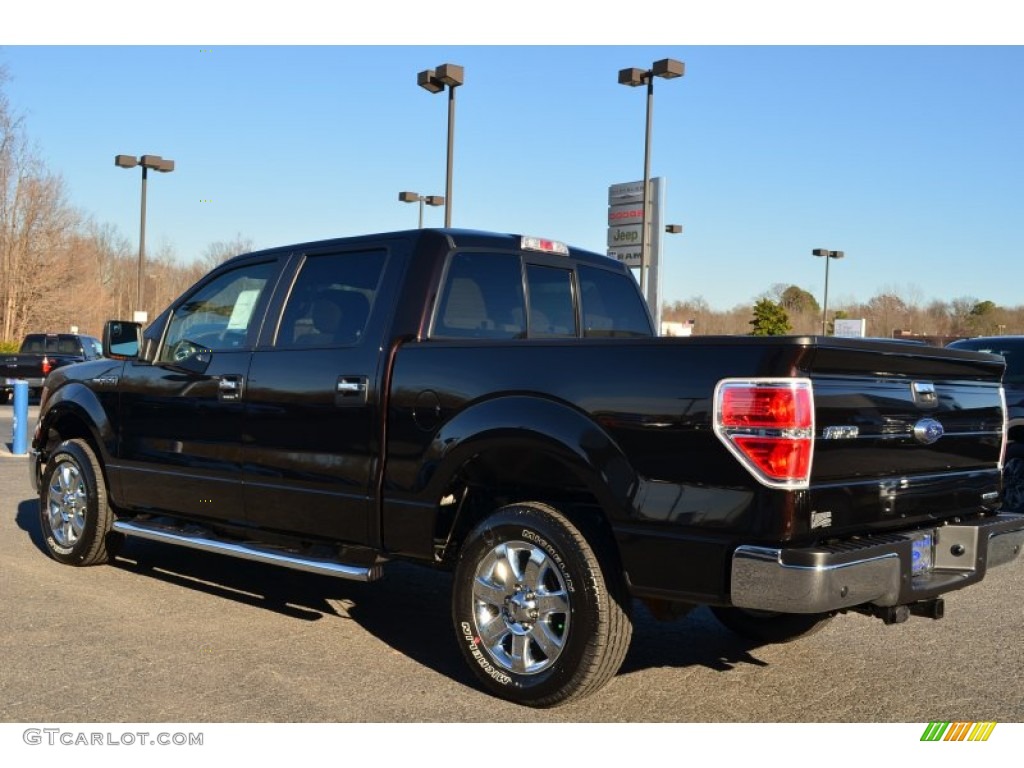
(243, 309)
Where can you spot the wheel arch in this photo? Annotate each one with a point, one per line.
(526, 448)
(74, 411)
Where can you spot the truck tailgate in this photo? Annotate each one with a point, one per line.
(916, 435)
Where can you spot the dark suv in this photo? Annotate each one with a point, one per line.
(1012, 350)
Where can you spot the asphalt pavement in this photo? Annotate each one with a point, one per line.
(172, 635)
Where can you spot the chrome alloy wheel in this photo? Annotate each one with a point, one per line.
(66, 502)
(520, 607)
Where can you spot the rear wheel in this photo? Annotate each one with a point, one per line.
(1013, 480)
(74, 513)
(536, 617)
(770, 627)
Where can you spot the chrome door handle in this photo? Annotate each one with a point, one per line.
(229, 386)
(351, 390)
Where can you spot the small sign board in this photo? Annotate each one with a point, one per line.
(628, 255)
(627, 234)
(629, 192)
(631, 213)
(850, 328)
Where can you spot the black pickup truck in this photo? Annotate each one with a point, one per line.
(499, 406)
(39, 354)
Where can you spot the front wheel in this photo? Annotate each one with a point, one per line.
(770, 627)
(536, 617)
(74, 513)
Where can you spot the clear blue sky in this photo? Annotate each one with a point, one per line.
(909, 159)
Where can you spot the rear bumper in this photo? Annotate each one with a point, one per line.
(876, 571)
(33, 383)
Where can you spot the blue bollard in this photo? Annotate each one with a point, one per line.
(19, 440)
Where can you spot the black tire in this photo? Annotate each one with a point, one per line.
(74, 513)
(1013, 479)
(537, 619)
(767, 627)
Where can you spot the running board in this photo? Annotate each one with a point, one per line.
(250, 552)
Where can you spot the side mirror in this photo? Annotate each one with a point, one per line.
(122, 339)
(190, 357)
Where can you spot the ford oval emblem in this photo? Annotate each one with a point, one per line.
(927, 431)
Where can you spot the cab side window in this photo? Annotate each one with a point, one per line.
(221, 315)
(611, 305)
(330, 302)
(482, 298)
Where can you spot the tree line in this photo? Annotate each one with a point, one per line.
(790, 309)
(59, 268)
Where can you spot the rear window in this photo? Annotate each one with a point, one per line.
(552, 311)
(34, 345)
(483, 298)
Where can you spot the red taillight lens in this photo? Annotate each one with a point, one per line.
(47, 366)
(768, 424)
(782, 407)
(779, 458)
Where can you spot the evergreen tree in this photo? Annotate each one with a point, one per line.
(770, 319)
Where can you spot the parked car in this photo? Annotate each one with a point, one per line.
(41, 353)
(1011, 349)
(499, 406)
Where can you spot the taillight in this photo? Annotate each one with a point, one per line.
(47, 366)
(768, 424)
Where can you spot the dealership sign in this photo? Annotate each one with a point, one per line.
(630, 192)
(625, 221)
(624, 235)
(630, 213)
(625, 226)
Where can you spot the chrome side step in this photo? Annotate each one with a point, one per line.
(259, 554)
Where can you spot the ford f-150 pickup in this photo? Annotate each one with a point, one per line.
(39, 354)
(499, 406)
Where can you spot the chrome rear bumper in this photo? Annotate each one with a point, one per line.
(874, 570)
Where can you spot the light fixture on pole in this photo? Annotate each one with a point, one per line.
(828, 255)
(668, 69)
(147, 162)
(414, 197)
(434, 81)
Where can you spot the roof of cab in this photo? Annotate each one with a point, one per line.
(456, 238)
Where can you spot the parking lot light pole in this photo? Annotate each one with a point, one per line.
(415, 197)
(829, 255)
(434, 81)
(157, 163)
(668, 69)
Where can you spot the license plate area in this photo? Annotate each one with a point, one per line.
(922, 559)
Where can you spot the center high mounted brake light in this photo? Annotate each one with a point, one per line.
(768, 424)
(546, 246)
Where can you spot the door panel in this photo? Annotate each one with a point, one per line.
(182, 415)
(312, 411)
